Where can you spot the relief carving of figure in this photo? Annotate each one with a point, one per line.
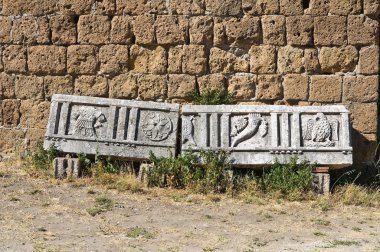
(245, 127)
(87, 119)
(157, 126)
(321, 132)
(188, 131)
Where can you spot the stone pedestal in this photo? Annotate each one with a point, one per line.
(67, 167)
(321, 180)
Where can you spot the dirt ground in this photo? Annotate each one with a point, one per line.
(39, 214)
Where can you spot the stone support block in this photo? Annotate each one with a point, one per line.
(67, 168)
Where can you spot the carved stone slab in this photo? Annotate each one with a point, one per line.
(258, 135)
(112, 127)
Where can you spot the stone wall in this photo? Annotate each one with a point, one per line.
(289, 52)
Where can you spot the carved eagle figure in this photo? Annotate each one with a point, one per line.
(245, 127)
(188, 130)
(321, 130)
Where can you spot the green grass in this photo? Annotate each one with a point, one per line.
(137, 232)
(43, 159)
(102, 204)
(322, 222)
(211, 97)
(344, 243)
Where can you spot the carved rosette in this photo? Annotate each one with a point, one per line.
(157, 126)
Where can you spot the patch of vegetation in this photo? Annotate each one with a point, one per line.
(319, 233)
(102, 204)
(344, 243)
(137, 232)
(322, 222)
(43, 159)
(357, 195)
(211, 97)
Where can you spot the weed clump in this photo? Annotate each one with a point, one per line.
(102, 204)
(43, 159)
(211, 97)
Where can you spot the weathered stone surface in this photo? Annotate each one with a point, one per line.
(123, 87)
(94, 29)
(371, 7)
(229, 7)
(263, 59)
(273, 30)
(10, 139)
(1, 60)
(369, 60)
(296, 87)
(91, 86)
(299, 30)
(7, 86)
(33, 137)
(67, 167)
(63, 30)
(5, 29)
(201, 30)
(362, 30)
(260, 7)
(58, 85)
(82, 59)
(261, 135)
(291, 7)
(34, 114)
(226, 62)
(211, 82)
(122, 30)
(75, 7)
(152, 87)
(242, 86)
(130, 129)
(360, 88)
(104, 7)
(345, 7)
(219, 33)
(180, 86)
(171, 30)
(243, 31)
(113, 59)
(32, 7)
(321, 183)
(311, 62)
(187, 7)
(330, 30)
(268, 87)
(290, 60)
(144, 29)
(338, 59)
(364, 117)
(318, 7)
(148, 60)
(47, 59)
(10, 113)
(139, 7)
(14, 59)
(187, 59)
(30, 30)
(325, 88)
(29, 87)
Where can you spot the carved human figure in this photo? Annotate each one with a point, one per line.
(320, 132)
(245, 127)
(188, 130)
(87, 119)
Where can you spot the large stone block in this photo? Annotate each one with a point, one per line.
(63, 30)
(171, 30)
(338, 59)
(187, 7)
(31, 7)
(269, 88)
(345, 7)
(34, 114)
(152, 87)
(187, 59)
(273, 30)
(7, 86)
(31, 30)
(201, 30)
(362, 30)
(130, 129)
(67, 167)
(242, 86)
(91, 86)
(94, 29)
(369, 60)
(263, 59)
(243, 31)
(371, 7)
(211, 82)
(58, 85)
(330, 30)
(219, 33)
(47, 59)
(318, 7)
(10, 113)
(225, 62)
(14, 59)
(180, 86)
(227, 8)
(148, 60)
(5, 29)
(29, 87)
(104, 7)
(291, 7)
(144, 29)
(364, 117)
(122, 30)
(75, 7)
(325, 88)
(123, 87)
(311, 62)
(360, 88)
(113, 59)
(261, 135)
(140, 7)
(296, 87)
(290, 60)
(10, 139)
(261, 7)
(82, 59)
(299, 30)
